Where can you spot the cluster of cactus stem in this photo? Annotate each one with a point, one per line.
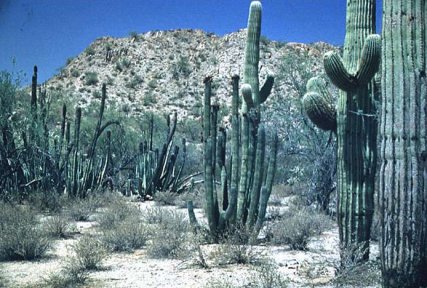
(354, 120)
(158, 170)
(246, 175)
(58, 161)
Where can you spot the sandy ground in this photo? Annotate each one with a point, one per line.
(312, 268)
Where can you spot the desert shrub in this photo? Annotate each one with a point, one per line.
(267, 276)
(21, 237)
(297, 226)
(352, 270)
(90, 51)
(57, 226)
(89, 252)
(47, 201)
(69, 277)
(234, 249)
(263, 276)
(136, 80)
(193, 195)
(75, 73)
(129, 235)
(165, 198)
(116, 212)
(91, 78)
(83, 209)
(170, 236)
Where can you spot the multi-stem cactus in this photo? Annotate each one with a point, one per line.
(247, 180)
(402, 189)
(356, 122)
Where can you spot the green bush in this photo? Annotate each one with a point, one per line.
(297, 226)
(165, 198)
(57, 226)
(89, 252)
(91, 78)
(117, 211)
(234, 249)
(136, 80)
(90, 51)
(83, 209)
(131, 234)
(170, 237)
(75, 73)
(21, 236)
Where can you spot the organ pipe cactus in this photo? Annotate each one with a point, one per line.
(246, 182)
(356, 122)
(402, 185)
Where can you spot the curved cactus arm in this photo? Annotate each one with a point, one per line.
(266, 88)
(246, 91)
(318, 105)
(321, 112)
(335, 69)
(370, 59)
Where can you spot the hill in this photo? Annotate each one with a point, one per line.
(163, 71)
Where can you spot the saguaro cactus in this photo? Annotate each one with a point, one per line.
(403, 196)
(356, 122)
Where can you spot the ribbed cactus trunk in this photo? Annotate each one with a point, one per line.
(356, 133)
(355, 122)
(403, 187)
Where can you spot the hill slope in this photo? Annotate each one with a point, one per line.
(163, 71)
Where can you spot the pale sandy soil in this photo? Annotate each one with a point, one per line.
(312, 268)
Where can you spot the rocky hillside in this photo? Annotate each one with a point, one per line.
(164, 70)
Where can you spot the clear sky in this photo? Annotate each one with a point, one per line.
(47, 32)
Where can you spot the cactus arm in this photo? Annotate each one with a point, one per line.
(252, 52)
(246, 92)
(368, 65)
(318, 105)
(266, 88)
(369, 60)
(336, 71)
(320, 112)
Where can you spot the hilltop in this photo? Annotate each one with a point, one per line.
(163, 71)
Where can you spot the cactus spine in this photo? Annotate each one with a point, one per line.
(356, 122)
(402, 195)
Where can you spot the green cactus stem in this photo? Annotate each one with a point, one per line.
(318, 105)
(356, 122)
(403, 170)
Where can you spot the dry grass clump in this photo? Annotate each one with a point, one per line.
(131, 234)
(235, 248)
(21, 236)
(170, 236)
(58, 226)
(82, 209)
(297, 227)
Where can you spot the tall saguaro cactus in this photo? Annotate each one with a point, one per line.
(403, 185)
(356, 121)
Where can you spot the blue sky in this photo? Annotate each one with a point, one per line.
(47, 32)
